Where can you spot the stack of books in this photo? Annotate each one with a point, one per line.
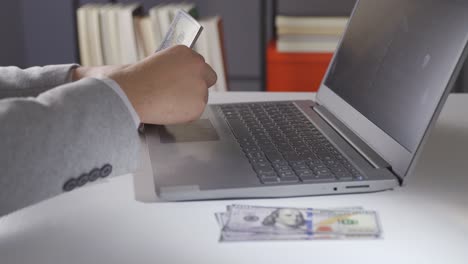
(299, 58)
(111, 34)
(309, 34)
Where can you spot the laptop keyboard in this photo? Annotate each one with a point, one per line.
(283, 146)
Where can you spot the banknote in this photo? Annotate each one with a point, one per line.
(244, 223)
(222, 218)
(184, 30)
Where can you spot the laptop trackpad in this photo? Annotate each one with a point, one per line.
(196, 131)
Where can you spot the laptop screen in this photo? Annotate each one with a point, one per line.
(394, 68)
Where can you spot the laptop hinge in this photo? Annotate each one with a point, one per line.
(355, 141)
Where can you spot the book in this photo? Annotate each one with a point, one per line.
(148, 39)
(127, 36)
(210, 45)
(307, 43)
(113, 45)
(106, 38)
(94, 31)
(154, 17)
(139, 37)
(83, 41)
(309, 31)
(98, 34)
(89, 34)
(309, 34)
(311, 25)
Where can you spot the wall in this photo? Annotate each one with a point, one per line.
(11, 45)
(49, 32)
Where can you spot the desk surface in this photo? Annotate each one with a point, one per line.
(425, 221)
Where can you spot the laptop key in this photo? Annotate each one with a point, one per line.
(268, 148)
(313, 162)
(324, 156)
(340, 169)
(305, 173)
(288, 179)
(262, 168)
(282, 167)
(283, 149)
(246, 144)
(343, 176)
(330, 162)
(323, 172)
(270, 180)
(274, 156)
(267, 174)
(250, 149)
(354, 172)
(254, 155)
(286, 174)
(259, 160)
(317, 167)
(289, 156)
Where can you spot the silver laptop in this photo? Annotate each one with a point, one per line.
(383, 91)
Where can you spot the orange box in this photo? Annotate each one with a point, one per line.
(295, 72)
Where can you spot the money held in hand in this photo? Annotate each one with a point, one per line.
(184, 30)
(244, 223)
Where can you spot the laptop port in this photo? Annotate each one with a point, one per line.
(357, 186)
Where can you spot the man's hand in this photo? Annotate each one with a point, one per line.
(168, 87)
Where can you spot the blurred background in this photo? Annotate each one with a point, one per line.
(257, 45)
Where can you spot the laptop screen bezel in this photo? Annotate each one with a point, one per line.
(382, 143)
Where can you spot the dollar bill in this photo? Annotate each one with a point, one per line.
(222, 218)
(184, 30)
(246, 223)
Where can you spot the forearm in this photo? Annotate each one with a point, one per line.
(61, 135)
(16, 82)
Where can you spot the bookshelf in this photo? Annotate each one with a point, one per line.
(44, 32)
(298, 71)
(323, 8)
(240, 35)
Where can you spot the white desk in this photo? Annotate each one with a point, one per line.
(424, 222)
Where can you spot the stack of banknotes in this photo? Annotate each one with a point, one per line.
(253, 223)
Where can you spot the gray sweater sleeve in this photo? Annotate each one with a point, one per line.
(65, 138)
(16, 82)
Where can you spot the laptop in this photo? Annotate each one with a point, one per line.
(382, 93)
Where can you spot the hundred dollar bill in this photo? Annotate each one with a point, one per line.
(184, 30)
(223, 217)
(301, 221)
(227, 236)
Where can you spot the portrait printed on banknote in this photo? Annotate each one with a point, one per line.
(285, 218)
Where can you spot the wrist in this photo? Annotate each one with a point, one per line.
(79, 73)
(96, 72)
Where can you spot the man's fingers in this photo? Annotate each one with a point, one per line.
(198, 56)
(210, 76)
